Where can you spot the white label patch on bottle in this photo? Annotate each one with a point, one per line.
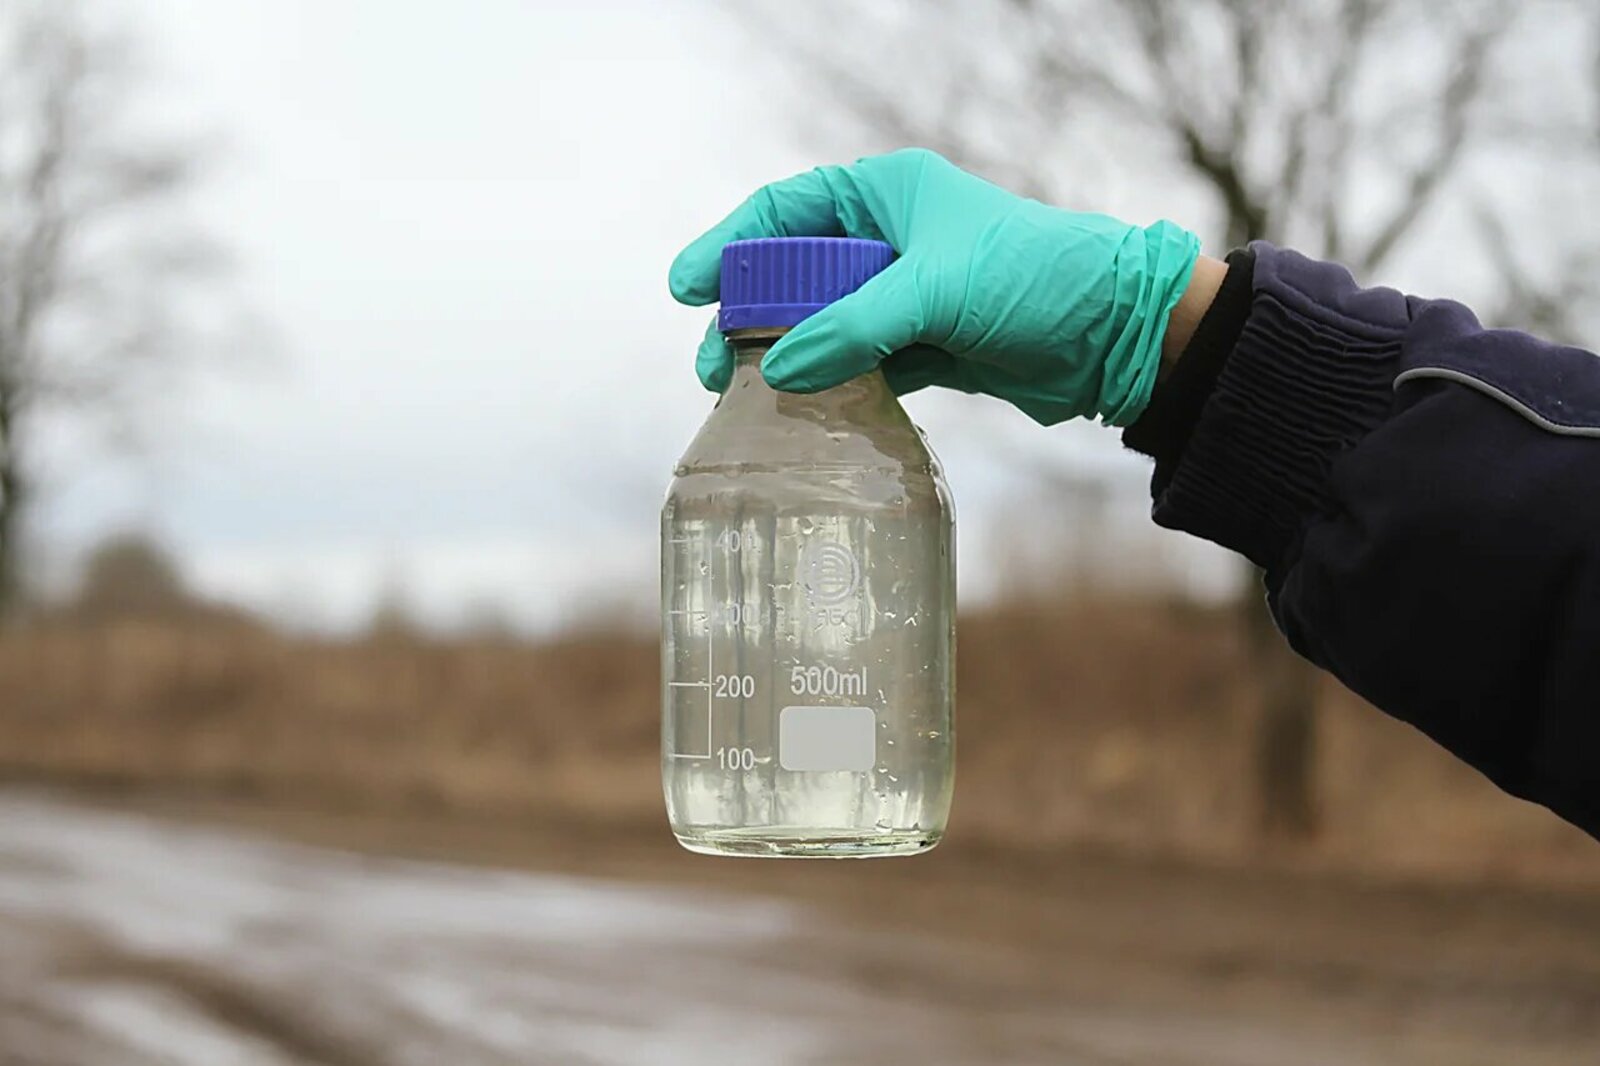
(827, 738)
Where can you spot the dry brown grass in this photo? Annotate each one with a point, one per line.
(1116, 724)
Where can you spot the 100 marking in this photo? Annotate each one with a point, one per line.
(736, 758)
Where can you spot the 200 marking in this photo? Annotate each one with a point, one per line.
(734, 686)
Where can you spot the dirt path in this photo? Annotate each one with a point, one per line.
(141, 937)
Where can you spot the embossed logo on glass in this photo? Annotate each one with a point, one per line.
(831, 573)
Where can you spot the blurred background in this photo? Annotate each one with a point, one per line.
(339, 387)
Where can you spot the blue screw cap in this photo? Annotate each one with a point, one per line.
(775, 282)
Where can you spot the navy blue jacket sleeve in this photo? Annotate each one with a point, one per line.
(1423, 495)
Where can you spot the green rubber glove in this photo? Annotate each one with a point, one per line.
(1057, 312)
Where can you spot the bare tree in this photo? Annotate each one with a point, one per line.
(93, 244)
(1341, 127)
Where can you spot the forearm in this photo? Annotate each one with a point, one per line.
(1420, 493)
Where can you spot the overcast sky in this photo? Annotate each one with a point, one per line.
(458, 229)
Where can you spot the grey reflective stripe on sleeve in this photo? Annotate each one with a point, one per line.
(1499, 394)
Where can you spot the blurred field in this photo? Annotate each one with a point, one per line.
(1106, 724)
(1103, 898)
(137, 938)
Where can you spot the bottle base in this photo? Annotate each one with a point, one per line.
(801, 842)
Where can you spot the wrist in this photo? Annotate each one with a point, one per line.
(1188, 378)
(1204, 283)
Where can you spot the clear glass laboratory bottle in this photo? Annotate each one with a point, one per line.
(808, 596)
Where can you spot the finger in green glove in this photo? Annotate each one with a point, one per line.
(1061, 313)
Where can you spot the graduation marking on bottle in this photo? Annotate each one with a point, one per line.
(718, 686)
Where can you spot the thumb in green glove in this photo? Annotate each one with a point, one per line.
(1058, 312)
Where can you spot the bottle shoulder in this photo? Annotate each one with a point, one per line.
(853, 442)
(833, 460)
(813, 488)
(787, 436)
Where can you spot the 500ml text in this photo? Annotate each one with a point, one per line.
(827, 681)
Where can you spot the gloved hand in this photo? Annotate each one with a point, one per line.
(1058, 312)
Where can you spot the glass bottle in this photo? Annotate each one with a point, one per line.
(808, 595)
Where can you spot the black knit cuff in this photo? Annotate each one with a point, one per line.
(1310, 373)
(1163, 429)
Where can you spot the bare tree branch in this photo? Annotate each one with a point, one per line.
(88, 249)
(1288, 117)
(1462, 90)
(1323, 117)
(1248, 55)
(1553, 308)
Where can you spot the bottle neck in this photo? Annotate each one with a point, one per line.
(750, 346)
(856, 424)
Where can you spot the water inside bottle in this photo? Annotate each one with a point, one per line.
(808, 601)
